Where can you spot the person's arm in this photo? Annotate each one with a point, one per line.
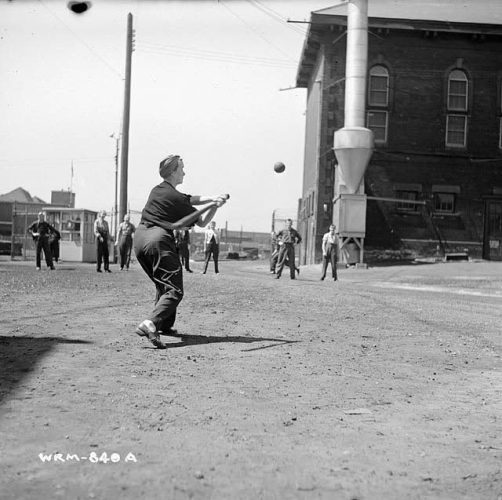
(298, 237)
(324, 241)
(31, 229)
(202, 200)
(96, 231)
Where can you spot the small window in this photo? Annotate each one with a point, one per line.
(444, 203)
(457, 91)
(378, 88)
(456, 128)
(407, 196)
(377, 122)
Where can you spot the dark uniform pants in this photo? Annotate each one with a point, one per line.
(125, 247)
(287, 252)
(329, 258)
(155, 250)
(214, 250)
(184, 255)
(102, 254)
(43, 244)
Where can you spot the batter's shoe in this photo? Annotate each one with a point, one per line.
(147, 329)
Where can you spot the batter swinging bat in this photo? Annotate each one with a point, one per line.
(193, 217)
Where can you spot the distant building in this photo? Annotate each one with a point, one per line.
(434, 103)
(63, 198)
(18, 209)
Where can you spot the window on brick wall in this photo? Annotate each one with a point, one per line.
(457, 104)
(458, 87)
(407, 196)
(378, 88)
(456, 130)
(444, 203)
(377, 122)
(378, 102)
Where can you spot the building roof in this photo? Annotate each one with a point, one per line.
(456, 16)
(20, 195)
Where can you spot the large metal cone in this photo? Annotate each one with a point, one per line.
(353, 148)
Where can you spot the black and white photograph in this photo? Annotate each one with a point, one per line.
(251, 249)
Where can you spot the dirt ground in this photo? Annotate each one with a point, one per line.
(384, 385)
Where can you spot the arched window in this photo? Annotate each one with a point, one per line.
(457, 105)
(378, 86)
(378, 102)
(458, 87)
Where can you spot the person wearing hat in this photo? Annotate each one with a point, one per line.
(102, 233)
(155, 245)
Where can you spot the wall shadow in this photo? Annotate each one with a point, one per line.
(19, 357)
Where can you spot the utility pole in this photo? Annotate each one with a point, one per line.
(115, 206)
(125, 121)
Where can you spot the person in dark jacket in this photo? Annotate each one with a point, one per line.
(41, 230)
(155, 245)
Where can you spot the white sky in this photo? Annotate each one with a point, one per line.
(205, 84)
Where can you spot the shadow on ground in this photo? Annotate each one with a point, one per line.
(186, 340)
(20, 355)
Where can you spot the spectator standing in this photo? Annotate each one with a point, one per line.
(182, 237)
(287, 239)
(211, 246)
(41, 230)
(124, 241)
(329, 252)
(102, 233)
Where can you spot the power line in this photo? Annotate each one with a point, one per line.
(212, 55)
(254, 30)
(273, 14)
(83, 42)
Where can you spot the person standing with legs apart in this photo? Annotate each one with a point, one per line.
(166, 210)
(124, 241)
(287, 238)
(40, 230)
(329, 252)
(102, 233)
(182, 237)
(211, 246)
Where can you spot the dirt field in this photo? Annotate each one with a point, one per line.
(384, 385)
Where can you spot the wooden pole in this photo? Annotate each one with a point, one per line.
(125, 121)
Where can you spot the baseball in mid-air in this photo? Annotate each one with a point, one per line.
(279, 167)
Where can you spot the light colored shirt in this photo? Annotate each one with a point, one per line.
(329, 240)
(209, 235)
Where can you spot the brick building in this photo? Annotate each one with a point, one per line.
(434, 104)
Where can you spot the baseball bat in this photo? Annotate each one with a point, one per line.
(193, 217)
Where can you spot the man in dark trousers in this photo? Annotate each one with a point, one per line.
(274, 258)
(41, 230)
(287, 239)
(329, 252)
(182, 237)
(124, 241)
(102, 233)
(211, 246)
